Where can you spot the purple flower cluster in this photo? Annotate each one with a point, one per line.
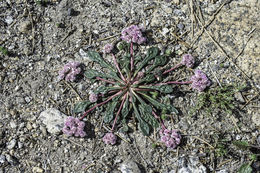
(73, 126)
(70, 71)
(133, 34)
(110, 138)
(188, 60)
(199, 81)
(171, 138)
(108, 48)
(93, 97)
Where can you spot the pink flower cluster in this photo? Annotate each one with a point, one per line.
(108, 48)
(188, 60)
(199, 81)
(73, 126)
(133, 34)
(93, 97)
(170, 138)
(110, 138)
(70, 71)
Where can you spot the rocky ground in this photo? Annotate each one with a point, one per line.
(40, 38)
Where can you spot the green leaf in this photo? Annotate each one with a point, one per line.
(245, 168)
(146, 112)
(110, 112)
(81, 106)
(158, 61)
(151, 54)
(162, 88)
(125, 109)
(144, 127)
(241, 144)
(4, 50)
(90, 74)
(142, 124)
(94, 56)
(147, 78)
(159, 105)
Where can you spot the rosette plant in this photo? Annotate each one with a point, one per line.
(133, 85)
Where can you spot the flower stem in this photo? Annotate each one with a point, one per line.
(132, 56)
(161, 121)
(118, 69)
(119, 110)
(99, 78)
(99, 104)
(179, 83)
(175, 67)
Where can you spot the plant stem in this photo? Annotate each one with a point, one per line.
(180, 83)
(119, 110)
(161, 121)
(99, 78)
(99, 104)
(132, 56)
(175, 67)
(118, 69)
(175, 82)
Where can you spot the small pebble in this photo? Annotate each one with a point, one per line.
(9, 20)
(37, 170)
(2, 159)
(11, 144)
(25, 26)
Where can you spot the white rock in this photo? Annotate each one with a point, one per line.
(11, 144)
(129, 166)
(256, 119)
(53, 119)
(9, 20)
(165, 31)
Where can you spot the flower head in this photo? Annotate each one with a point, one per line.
(73, 126)
(188, 60)
(171, 138)
(93, 97)
(108, 48)
(199, 81)
(133, 34)
(70, 71)
(110, 138)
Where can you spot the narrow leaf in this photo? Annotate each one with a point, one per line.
(125, 109)
(162, 88)
(94, 56)
(158, 61)
(110, 112)
(151, 54)
(81, 106)
(160, 105)
(245, 168)
(241, 144)
(146, 112)
(142, 124)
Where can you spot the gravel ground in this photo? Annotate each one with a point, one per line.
(222, 35)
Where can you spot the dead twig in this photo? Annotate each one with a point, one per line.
(214, 75)
(207, 24)
(71, 87)
(202, 140)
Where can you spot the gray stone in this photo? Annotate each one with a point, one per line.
(53, 119)
(239, 97)
(25, 26)
(129, 166)
(256, 119)
(9, 20)
(2, 159)
(190, 165)
(11, 144)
